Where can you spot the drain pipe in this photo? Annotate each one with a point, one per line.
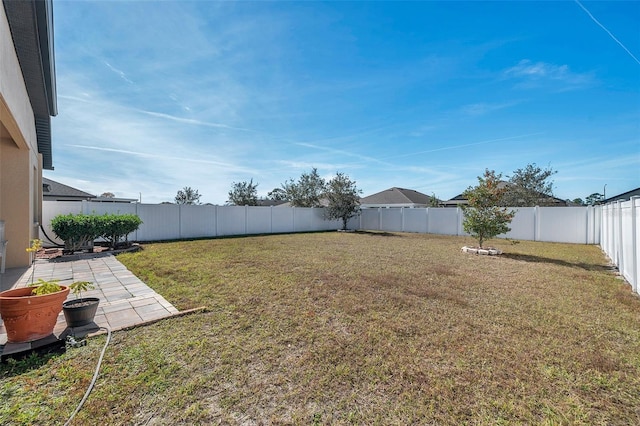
(49, 238)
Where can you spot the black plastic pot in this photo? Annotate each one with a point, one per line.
(79, 312)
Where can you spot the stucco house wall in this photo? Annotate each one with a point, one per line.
(20, 161)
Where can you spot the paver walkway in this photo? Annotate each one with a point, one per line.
(125, 300)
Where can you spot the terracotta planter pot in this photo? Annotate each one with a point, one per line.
(28, 318)
(79, 312)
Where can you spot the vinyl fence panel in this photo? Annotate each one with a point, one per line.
(370, 219)
(524, 224)
(443, 221)
(197, 221)
(159, 222)
(391, 219)
(282, 220)
(415, 220)
(563, 224)
(259, 220)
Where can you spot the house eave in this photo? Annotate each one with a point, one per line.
(31, 26)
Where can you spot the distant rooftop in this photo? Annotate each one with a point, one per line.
(397, 196)
(52, 189)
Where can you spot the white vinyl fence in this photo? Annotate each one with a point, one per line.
(621, 235)
(616, 226)
(555, 224)
(174, 222)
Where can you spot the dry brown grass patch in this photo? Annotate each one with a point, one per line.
(370, 328)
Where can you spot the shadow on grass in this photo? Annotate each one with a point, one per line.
(539, 259)
(17, 364)
(378, 234)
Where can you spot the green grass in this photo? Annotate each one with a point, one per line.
(362, 328)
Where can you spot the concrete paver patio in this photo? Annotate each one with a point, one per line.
(125, 300)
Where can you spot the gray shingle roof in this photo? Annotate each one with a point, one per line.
(51, 188)
(397, 196)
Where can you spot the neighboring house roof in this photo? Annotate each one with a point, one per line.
(269, 203)
(462, 200)
(625, 196)
(58, 191)
(31, 25)
(324, 202)
(114, 200)
(396, 197)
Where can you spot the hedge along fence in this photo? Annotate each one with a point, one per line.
(80, 230)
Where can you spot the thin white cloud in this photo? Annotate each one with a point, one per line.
(338, 152)
(447, 148)
(607, 31)
(533, 74)
(192, 121)
(164, 157)
(483, 108)
(121, 74)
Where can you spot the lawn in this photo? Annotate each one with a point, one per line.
(356, 328)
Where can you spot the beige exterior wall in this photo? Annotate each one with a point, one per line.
(20, 163)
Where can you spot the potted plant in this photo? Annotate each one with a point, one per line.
(81, 310)
(30, 313)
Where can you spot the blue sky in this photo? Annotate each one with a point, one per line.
(154, 96)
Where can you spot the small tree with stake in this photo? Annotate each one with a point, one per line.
(483, 217)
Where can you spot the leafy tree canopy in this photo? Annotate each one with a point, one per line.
(306, 191)
(344, 199)
(187, 195)
(483, 217)
(277, 194)
(594, 199)
(244, 194)
(107, 195)
(529, 187)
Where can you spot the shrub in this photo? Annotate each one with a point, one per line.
(116, 227)
(78, 231)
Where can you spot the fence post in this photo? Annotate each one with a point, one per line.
(271, 220)
(379, 218)
(215, 223)
(620, 239)
(634, 244)
(293, 219)
(586, 233)
(246, 219)
(426, 212)
(402, 218)
(458, 220)
(536, 223)
(180, 221)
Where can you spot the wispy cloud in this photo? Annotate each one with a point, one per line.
(483, 108)
(338, 152)
(532, 74)
(608, 32)
(466, 145)
(226, 166)
(121, 74)
(192, 121)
